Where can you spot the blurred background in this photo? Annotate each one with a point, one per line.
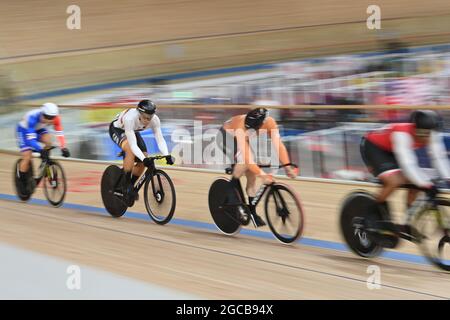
(327, 77)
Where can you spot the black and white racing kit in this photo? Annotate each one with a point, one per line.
(128, 120)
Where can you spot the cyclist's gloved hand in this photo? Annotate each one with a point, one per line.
(170, 160)
(65, 152)
(147, 162)
(45, 154)
(432, 191)
(291, 172)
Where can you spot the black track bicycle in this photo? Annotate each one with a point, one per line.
(159, 192)
(282, 206)
(368, 231)
(51, 173)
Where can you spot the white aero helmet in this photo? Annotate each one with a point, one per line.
(50, 109)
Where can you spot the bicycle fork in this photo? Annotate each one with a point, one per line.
(157, 186)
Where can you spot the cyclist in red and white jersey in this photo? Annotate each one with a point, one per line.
(389, 153)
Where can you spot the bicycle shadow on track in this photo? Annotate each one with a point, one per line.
(385, 263)
(242, 239)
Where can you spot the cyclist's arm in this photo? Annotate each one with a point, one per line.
(160, 141)
(244, 147)
(59, 132)
(279, 146)
(407, 159)
(438, 154)
(131, 138)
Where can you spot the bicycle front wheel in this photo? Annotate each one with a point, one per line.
(160, 197)
(432, 228)
(55, 185)
(284, 213)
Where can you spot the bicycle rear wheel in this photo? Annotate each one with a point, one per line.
(55, 185)
(23, 196)
(284, 213)
(432, 227)
(225, 217)
(160, 197)
(115, 206)
(355, 216)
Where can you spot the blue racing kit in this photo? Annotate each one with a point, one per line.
(29, 131)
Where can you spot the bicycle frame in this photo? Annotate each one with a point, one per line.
(148, 174)
(259, 195)
(261, 191)
(422, 204)
(44, 171)
(430, 205)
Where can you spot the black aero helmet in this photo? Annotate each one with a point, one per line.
(146, 106)
(425, 119)
(255, 118)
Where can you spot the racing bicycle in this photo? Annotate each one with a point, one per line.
(51, 173)
(159, 192)
(282, 207)
(368, 231)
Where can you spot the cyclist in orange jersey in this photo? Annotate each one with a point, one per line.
(233, 139)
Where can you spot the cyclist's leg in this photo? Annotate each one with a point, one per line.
(228, 145)
(251, 184)
(251, 193)
(118, 136)
(392, 180)
(26, 161)
(26, 156)
(24, 166)
(128, 159)
(251, 189)
(128, 163)
(239, 170)
(384, 166)
(137, 171)
(411, 197)
(139, 168)
(25, 149)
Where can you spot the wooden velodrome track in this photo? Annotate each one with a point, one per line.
(187, 256)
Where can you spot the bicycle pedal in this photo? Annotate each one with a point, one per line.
(243, 216)
(388, 243)
(385, 240)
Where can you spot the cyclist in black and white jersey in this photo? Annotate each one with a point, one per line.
(124, 131)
